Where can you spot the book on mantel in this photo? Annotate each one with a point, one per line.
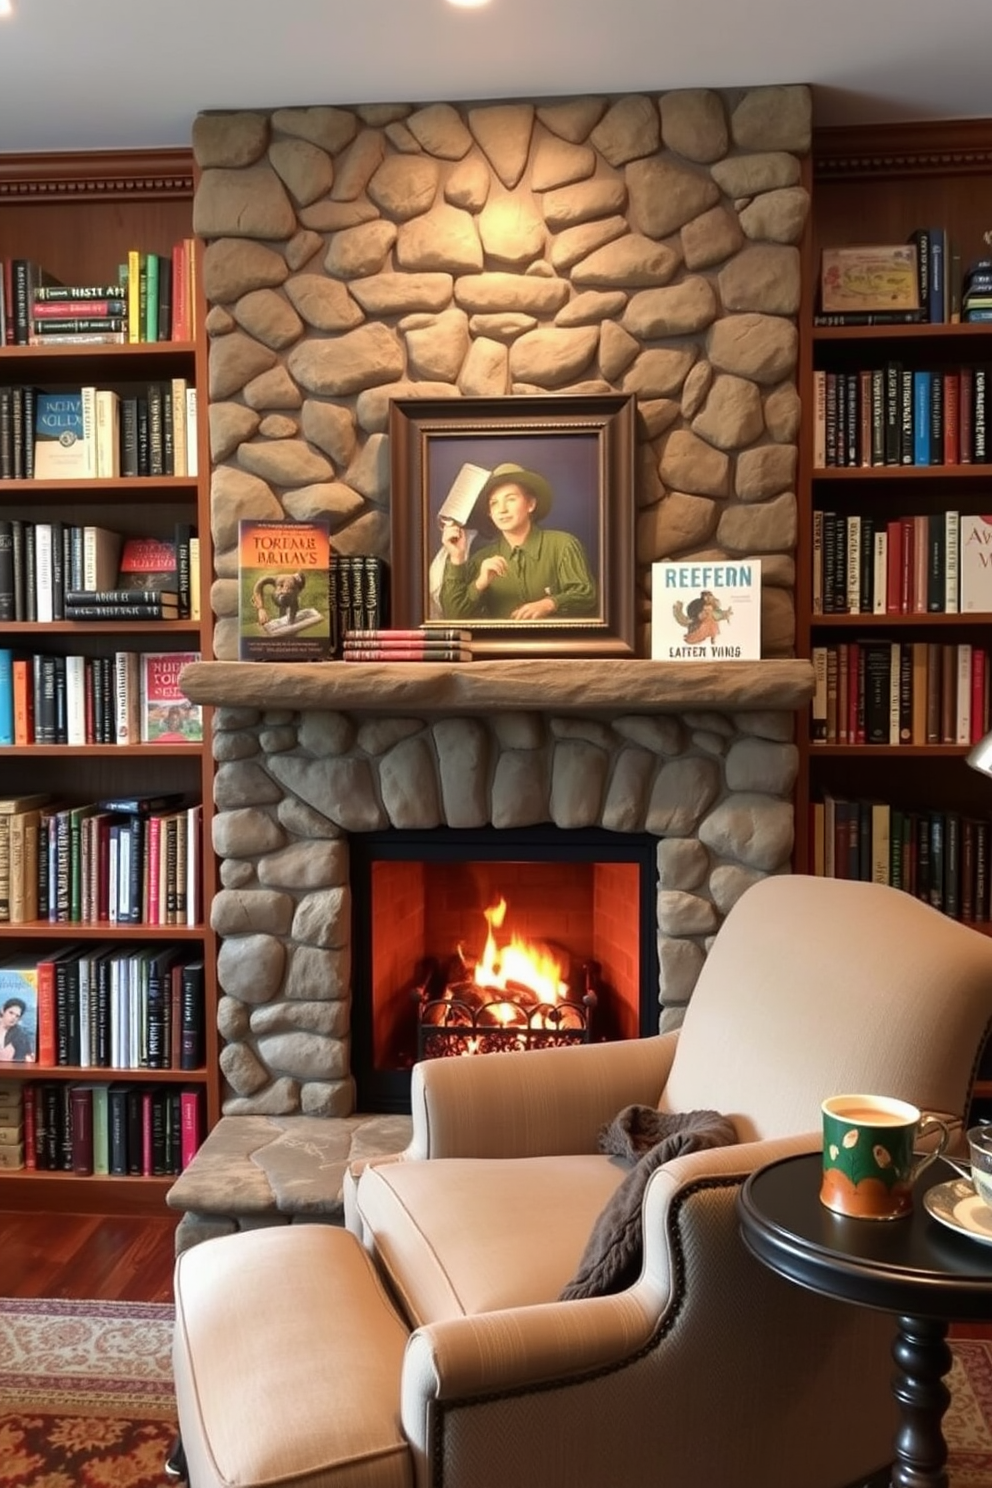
(706, 611)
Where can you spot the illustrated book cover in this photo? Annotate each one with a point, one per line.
(19, 1009)
(706, 611)
(60, 451)
(285, 609)
(167, 717)
(873, 277)
(975, 565)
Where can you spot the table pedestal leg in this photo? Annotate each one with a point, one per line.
(922, 1358)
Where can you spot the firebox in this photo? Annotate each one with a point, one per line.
(477, 942)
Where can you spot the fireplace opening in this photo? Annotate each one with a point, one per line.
(477, 942)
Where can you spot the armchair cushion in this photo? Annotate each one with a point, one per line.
(647, 1138)
(460, 1236)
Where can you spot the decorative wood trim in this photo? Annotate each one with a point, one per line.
(955, 148)
(97, 175)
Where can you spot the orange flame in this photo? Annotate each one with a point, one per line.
(519, 963)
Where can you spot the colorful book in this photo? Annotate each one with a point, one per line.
(706, 611)
(60, 451)
(167, 716)
(148, 563)
(19, 1009)
(285, 611)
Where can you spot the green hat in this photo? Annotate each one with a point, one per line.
(516, 475)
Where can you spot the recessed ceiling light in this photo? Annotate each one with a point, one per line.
(6, 8)
(460, 4)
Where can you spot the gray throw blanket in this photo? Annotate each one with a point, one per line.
(647, 1138)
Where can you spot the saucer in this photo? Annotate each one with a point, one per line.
(957, 1205)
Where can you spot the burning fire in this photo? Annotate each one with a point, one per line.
(516, 966)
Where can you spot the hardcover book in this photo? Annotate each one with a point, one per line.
(285, 607)
(873, 277)
(60, 451)
(706, 611)
(975, 564)
(148, 563)
(167, 716)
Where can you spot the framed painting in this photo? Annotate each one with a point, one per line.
(513, 518)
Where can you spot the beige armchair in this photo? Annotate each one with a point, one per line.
(708, 1370)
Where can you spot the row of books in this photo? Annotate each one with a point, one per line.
(94, 433)
(57, 570)
(898, 415)
(100, 1007)
(425, 643)
(939, 856)
(128, 697)
(919, 281)
(939, 563)
(115, 1130)
(101, 863)
(149, 297)
(876, 691)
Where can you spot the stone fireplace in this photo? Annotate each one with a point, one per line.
(697, 757)
(644, 245)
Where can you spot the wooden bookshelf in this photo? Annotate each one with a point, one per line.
(78, 215)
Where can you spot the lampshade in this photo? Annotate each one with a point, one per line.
(980, 756)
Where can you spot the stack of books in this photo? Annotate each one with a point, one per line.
(426, 643)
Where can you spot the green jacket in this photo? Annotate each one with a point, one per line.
(551, 563)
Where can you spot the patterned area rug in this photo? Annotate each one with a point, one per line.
(86, 1398)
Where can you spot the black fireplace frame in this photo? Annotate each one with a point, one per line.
(389, 1090)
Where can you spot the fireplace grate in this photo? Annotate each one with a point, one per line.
(456, 1017)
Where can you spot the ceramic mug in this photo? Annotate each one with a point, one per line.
(870, 1162)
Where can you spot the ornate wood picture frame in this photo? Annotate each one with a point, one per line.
(513, 518)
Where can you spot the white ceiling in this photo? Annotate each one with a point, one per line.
(91, 74)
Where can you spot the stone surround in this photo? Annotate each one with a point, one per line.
(644, 244)
(698, 755)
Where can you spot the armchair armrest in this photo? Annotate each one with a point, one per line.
(542, 1102)
(524, 1346)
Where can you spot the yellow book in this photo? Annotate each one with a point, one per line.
(134, 294)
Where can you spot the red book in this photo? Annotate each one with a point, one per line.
(843, 693)
(966, 393)
(8, 298)
(908, 565)
(29, 1120)
(952, 418)
(23, 687)
(854, 684)
(180, 295)
(893, 567)
(81, 1112)
(190, 1108)
(44, 309)
(979, 670)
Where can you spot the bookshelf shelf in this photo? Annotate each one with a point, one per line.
(75, 1193)
(895, 811)
(81, 237)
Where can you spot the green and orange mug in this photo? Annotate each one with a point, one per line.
(870, 1161)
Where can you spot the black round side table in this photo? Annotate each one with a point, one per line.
(922, 1271)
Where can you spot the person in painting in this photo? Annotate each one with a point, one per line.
(701, 618)
(527, 571)
(15, 1042)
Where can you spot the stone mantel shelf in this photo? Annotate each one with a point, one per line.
(561, 686)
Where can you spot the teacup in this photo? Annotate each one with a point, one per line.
(979, 1169)
(870, 1162)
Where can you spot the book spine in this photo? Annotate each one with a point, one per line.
(157, 611)
(85, 292)
(81, 1107)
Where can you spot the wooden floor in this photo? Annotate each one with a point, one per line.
(87, 1257)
